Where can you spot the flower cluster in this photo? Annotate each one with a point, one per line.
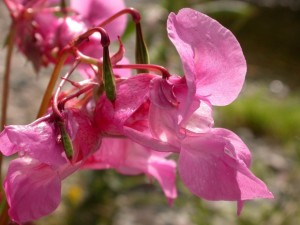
(44, 27)
(130, 123)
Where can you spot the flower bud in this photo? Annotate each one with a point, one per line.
(108, 76)
(141, 51)
(66, 140)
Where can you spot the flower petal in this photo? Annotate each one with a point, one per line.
(32, 189)
(83, 133)
(130, 158)
(37, 140)
(171, 122)
(242, 151)
(147, 140)
(131, 94)
(212, 58)
(200, 120)
(210, 167)
(164, 172)
(7, 148)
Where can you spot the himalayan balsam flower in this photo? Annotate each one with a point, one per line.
(175, 115)
(150, 118)
(43, 29)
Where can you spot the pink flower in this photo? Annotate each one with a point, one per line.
(42, 33)
(33, 181)
(213, 162)
(130, 158)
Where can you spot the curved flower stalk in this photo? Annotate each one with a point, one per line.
(33, 181)
(43, 27)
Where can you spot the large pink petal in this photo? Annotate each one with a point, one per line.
(130, 158)
(32, 189)
(37, 140)
(164, 172)
(210, 167)
(212, 57)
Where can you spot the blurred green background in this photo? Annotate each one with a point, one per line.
(266, 116)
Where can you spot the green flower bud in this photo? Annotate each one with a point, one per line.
(141, 51)
(108, 76)
(66, 140)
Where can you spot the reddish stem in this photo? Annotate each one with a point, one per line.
(55, 108)
(136, 16)
(164, 72)
(118, 56)
(104, 36)
(87, 88)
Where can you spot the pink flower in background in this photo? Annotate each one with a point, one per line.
(130, 158)
(33, 180)
(42, 30)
